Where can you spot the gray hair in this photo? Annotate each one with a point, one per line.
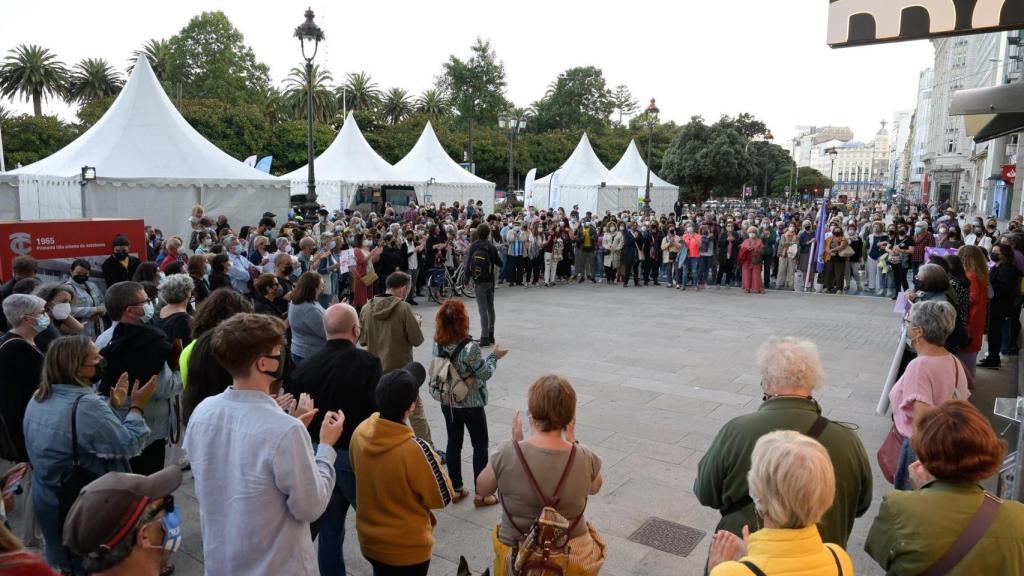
(790, 364)
(283, 242)
(16, 306)
(935, 319)
(176, 288)
(791, 479)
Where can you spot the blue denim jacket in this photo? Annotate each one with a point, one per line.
(104, 443)
(471, 362)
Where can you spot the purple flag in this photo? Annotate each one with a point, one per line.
(819, 235)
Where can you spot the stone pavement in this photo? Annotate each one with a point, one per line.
(657, 371)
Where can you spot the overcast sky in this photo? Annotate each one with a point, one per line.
(708, 58)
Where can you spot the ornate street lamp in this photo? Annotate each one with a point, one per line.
(652, 120)
(512, 127)
(832, 154)
(309, 35)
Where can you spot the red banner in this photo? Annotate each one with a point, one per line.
(56, 239)
(1010, 174)
(925, 189)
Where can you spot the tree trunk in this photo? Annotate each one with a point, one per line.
(37, 103)
(471, 170)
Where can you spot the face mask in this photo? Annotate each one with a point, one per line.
(278, 374)
(62, 311)
(208, 270)
(42, 322)
(207, 242)
(120, 255)
(237, 249)
(80, 278)
(279, 291)
(147, 312)
(171, 523)
(288, 270)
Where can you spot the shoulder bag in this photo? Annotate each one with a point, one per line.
(72, 481)
(968, 539)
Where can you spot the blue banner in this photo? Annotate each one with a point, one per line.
(819, 234)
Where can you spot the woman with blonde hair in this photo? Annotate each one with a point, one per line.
(793, 484)
(563, 469)
(976, 265)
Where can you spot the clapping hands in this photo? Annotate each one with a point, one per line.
(726, 546)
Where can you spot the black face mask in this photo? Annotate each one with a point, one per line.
(120, 255)
(80, 278)
(278, 374)
(288, 270)
(101, 369)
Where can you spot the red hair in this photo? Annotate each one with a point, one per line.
(452, 323)
(956, 443)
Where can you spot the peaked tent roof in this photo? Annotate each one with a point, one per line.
(633, 169)
(428, 159)
(350, 158)
(583, 168)
(142, 135)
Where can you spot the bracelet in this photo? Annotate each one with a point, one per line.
(139, 408)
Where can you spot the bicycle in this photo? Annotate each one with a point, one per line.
(442, 284)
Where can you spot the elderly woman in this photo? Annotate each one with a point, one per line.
(728, 255)
(261, 256)
(751, 258)
(104, 441)
(836, 253)
(173, 318)
(365, 259)
(933, 377)
(791, 374)
(199, 270)
(88, 306)
(908, 537)
(1004, 278)
(792, 484)
(563, 468)
(306, 317)
(452, 340)
(788, 249)
(21, 362)
(58, 299)
(268, 297)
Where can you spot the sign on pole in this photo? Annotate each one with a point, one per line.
(1010, 174)
(556, 190)
(860, 22)
(528, 187)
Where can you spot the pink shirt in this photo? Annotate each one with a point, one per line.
(929, 379)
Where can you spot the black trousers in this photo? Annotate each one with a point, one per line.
(651, 270)
(380, 569)
(475, 421)
(535, 272)
(725, 270)
(997, 313)
(835, 274)
(899, 275)
(518, 266)
(150, 460)
(632, 267)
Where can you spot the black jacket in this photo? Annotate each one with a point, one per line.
(206, 377)
(114, 272)
(138, 349)
(492, 253)
(338, 377)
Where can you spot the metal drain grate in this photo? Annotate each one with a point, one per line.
(668, 536)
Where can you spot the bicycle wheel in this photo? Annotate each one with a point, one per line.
(438, 288)
(465, 284)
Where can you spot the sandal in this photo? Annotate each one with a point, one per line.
(482, 501)
(459, 495)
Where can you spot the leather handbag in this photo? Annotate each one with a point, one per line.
(371, 275)
(846, 252)
(888, 454)
(72, 481)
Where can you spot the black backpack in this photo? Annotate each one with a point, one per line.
(480, 265)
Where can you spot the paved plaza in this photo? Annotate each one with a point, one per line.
(657, 372)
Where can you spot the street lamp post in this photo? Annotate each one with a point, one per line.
(832, 155)
(512, 126)
(309, 35)
(652, 119)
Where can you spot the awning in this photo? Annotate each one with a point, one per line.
(991, 112)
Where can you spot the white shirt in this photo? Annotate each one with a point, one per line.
(982, 242)
(258, 485)
(412, 255)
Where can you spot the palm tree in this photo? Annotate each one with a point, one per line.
(295, 87)
(158, 52)
(34, 73)
(434, 103)
(360, 92)
(396, 106)
(91, 79)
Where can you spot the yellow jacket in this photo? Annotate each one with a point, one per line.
(399, 479)
(783, 552)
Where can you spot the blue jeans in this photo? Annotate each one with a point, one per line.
(692, 266)
(901, 479)
(332, 522)
(705, 269)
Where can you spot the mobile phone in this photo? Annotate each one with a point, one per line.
(12, 484)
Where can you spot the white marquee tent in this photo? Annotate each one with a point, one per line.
(585, 182)
(438, 178)
(348, 163)
(149, 164)
(633, 169)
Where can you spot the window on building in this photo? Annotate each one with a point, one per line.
(951, 145)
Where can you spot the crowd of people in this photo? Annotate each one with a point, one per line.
(275, 363)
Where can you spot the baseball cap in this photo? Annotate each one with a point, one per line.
(417, 371)
(108, 507)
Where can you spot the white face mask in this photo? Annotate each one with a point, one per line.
(62, 311)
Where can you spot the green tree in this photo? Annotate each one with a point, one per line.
(578, 100)
(287, 144)
(34, 73)
(93, 78)
(745, 124)
(396, 106)
(705, 159)
(28, 139)
(810, 181)
(360, 92)
(238, 129)
(434, 104)
(210, 60)
(158, 52)
(624, 102)
(296, 93)
(475, 87)
(90, 112)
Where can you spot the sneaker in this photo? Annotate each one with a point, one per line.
(989, 362)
